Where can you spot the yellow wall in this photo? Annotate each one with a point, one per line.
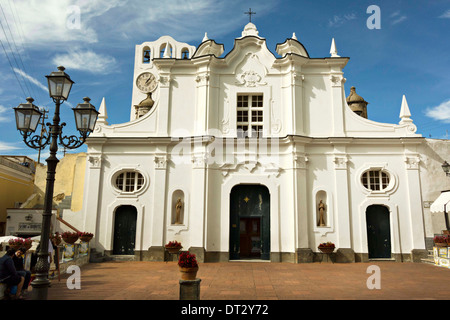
(69, 179)
(13, 188)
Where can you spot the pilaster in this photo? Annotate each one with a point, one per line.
(159, 205)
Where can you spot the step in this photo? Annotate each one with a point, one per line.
(123, 257)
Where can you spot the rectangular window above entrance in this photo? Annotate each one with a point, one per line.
(249, 116)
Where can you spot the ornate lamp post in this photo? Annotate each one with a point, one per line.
(446, 168)
(27, 119)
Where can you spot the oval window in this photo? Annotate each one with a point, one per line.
(129, 181)
(375, 180)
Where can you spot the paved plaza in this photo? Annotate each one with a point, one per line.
(136, 280)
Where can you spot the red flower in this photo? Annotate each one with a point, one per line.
(20, 242)
(173, 244)
(441, 239)
(69, 234)
(187, 260)
(87, 234)
(327, 245)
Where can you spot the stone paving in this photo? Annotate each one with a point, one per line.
(136, 280)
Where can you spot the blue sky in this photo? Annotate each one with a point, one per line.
(409, 54)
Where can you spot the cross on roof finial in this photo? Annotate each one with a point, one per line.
(250, 12)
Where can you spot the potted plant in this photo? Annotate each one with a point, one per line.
(56, 238)
(188, 266)
(20, 242)
(86, 236)
(327, 247)
(441, 241)
(70, 237)
(173, 246)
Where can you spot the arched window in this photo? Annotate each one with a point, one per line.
(163, 48)
(375, 180)
(146, 55)
(185, 53)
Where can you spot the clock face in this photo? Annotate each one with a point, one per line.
(146, 82)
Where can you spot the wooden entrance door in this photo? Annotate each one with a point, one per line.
(250, 222)
(250, 238)
(378, 232)
(125, 230)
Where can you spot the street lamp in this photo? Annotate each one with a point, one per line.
(446, 168)
(27, 119)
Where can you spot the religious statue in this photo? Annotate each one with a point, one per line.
(321, 214)
(178, 207)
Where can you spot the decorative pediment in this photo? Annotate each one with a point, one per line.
(291, 46)
(209, 47)
(251, 72)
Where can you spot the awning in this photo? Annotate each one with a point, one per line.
(438, 204)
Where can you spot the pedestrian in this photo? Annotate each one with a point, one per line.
(9, 275)
(19, 264)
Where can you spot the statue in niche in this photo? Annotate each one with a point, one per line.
(178, 207)
(321, 214)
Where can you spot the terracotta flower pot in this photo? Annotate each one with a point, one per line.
(173, 249)
(188, 273)
(86, 238)
(70, 240)
(326, 249)
(441, 244)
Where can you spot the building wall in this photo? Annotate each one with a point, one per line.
(16, 185)
(69, 179)
(321, 148)
(433, 181)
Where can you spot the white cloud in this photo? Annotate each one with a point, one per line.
(4, 116)
(31, 79)
(86, 61)
(445, 15)
(440, 112)
(43, 22)
(340, 20)
(6, 146)
(397, 17)
(46, 22)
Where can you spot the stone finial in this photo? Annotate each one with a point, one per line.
(167, 51)
(333, 50)
(405, 114)
(103, 115)
(250, 30)
(205, 38)
(293, 36)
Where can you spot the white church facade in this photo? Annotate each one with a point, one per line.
(252, 156)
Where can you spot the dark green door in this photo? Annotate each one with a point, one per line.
(378, 232)
(125, 230)
(249, 222)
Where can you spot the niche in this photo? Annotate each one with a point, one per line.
(321, 209)
(178, 204)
